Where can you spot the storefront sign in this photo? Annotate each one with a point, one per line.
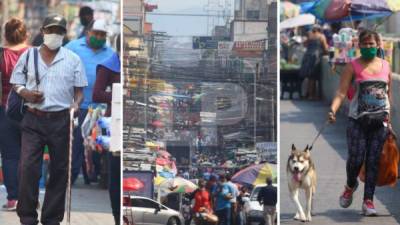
(249, 45)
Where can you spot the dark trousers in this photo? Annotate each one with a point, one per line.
(78, 151)
(97, 158)
(224, 216)
(114, 185)
(233, 213)
(364, 146)
(10, 146)
(37, 131)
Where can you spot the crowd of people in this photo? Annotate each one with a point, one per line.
(48, 82)
(220, 201)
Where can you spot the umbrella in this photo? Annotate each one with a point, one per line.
(372, 6)
(228, 164)
(151, 144)
(289, 10)
(348, 10)
(132, 184)
(206, 164)
(158, 123)
(158, 180)
(305, 7)
(162, 161)
(163, 154)
(255, 174)
(300, 20)
(178, 185)
(166, 174)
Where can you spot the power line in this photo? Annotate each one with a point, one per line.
(189, 15)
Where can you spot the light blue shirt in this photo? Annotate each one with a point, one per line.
(90, 59)
(57, 81)
(234, 189)
(221, 192)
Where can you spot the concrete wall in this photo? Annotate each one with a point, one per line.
(330, 82)
(393, 24)
(241, 7)
(249, 30)
(134, 15)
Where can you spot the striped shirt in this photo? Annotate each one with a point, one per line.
(57, 81)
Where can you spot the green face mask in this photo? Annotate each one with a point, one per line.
(368, 53)
(96, 43)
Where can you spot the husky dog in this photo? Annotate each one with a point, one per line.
(301, 174)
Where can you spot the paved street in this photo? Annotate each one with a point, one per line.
(300, 121)
(90, 205)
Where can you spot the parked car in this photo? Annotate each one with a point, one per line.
(144, 211)
(254, 212)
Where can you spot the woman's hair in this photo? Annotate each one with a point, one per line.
(15, 31)
(365, 33)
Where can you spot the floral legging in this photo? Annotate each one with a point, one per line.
(364, 145)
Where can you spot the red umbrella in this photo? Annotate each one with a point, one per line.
(162, 161)
(132, 184)
(158, 123)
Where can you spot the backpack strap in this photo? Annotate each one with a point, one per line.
(35, 59)
(25, 69)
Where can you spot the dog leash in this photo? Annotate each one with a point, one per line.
(71, 136)
(319, 133)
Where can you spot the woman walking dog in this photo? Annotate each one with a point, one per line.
(369, 117)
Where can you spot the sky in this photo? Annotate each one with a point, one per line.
(180, 25)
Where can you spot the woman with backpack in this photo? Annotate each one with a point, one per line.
(369, 117)
(15, 36)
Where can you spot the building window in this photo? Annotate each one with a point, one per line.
(253, 14)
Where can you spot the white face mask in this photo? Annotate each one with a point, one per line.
(53, 41)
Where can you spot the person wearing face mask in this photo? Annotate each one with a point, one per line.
(369, 117)
(108, 72)
(85, 17)
(49, 99)
(15, 36)
(92, 50)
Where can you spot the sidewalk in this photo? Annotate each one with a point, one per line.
(90, 206)
(300, 121)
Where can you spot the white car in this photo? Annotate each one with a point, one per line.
(254, 212)
(145, 211)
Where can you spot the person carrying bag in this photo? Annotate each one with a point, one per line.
(369, 118)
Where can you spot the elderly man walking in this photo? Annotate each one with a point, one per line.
(50, 79)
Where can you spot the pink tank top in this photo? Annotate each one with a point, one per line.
(362, 75)
(369, 92)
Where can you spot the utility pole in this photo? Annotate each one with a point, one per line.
(255, 104)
